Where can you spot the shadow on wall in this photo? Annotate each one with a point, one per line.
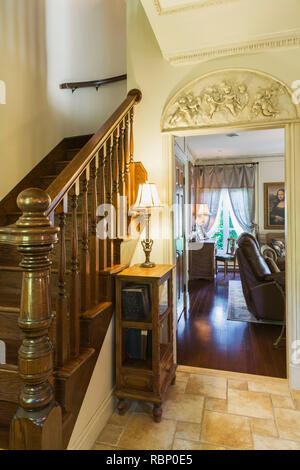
(45, 43)
(27, 126)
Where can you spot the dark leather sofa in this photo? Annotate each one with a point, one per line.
(263, 284)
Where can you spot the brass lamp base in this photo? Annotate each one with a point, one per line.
(147, 264)
(147, 247)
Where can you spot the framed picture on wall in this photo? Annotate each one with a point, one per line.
(274, 202)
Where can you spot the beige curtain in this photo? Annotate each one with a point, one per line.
(240, 182)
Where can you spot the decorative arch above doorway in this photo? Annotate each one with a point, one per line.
(227, 97)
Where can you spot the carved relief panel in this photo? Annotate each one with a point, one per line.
(227, 97)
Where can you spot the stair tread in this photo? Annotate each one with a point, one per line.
(73, 364)
(97, 310)
(8, 267)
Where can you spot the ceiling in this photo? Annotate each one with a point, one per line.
(189, 31)
(267, 143)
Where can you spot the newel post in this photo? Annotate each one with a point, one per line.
(37, 423)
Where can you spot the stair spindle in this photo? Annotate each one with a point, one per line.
(123, 205)
(62, 316)
(102, 184)
(85, 253)
(94, 239)
(75, 277)
(116, 183)
(127, 162)
(131, 160)
(109, 200)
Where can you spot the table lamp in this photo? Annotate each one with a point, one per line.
(203, 212)
(147, 199)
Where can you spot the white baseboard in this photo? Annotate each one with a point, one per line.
(92, 430)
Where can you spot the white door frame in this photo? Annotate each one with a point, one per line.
(292, 183)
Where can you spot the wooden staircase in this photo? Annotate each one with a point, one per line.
(57, 278)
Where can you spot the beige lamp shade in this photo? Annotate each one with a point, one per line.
(203, 209)
(147, 197)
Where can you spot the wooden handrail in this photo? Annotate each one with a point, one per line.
(66, 179)
(92, 83)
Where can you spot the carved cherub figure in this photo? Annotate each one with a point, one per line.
(266, 101)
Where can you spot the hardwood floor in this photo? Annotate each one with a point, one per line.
(205, 338)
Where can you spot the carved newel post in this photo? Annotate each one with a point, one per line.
(37, 423)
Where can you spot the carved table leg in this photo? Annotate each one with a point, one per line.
(121, 406)
(157, 413)
(173, 380)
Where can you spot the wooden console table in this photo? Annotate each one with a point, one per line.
(202, 260)
(144, 349)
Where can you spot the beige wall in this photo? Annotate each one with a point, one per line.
(42, 44)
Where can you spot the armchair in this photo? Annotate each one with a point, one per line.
(263, 287)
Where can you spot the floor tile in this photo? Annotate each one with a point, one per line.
(266, 427)
(142, 433)
(143, 407)
(178, 387)
(226, 430)
(105, 447)
(181, 444)
(215, 404)
(208, 385)
(288, 423)
(269, 387)
(182, 376)
(189, 431)
(256, 405)
(183, 407)
(238, 384)
(281, 401)
(110, 434)
(271, 443)
(122, 420)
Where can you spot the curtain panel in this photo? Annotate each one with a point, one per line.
(240, 182)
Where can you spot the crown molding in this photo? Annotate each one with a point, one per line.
(247, 47)
(189, 6)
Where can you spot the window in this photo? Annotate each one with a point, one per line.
(225, 226)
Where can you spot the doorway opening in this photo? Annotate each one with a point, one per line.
(234, 184)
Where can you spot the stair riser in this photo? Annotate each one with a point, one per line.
(9, 329)
(93, 331)
(9, 255)
(10, 386)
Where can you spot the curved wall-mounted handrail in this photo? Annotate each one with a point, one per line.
(92, 83)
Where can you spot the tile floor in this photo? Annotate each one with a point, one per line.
(211, 410)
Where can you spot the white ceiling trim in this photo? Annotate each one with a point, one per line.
(189, 6)
(248, 47)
